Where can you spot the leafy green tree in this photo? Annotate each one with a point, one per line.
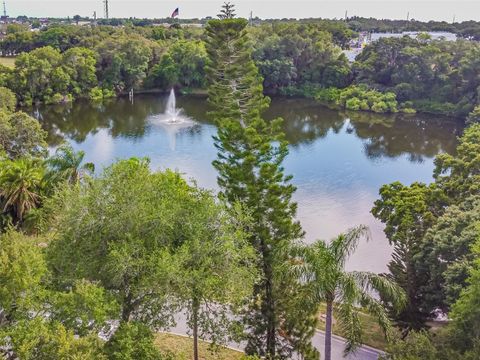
(183, 65)
(118, 231)
(321, 266)
(474, 116)
(123, 61)
(21, 187)
(23, 273)
(21, 135)
(408, 212)
(67, 164)
(459, 175)
(465, 312)
(80, 65)
(216, 269)
(446, 254)
(131, 341)
(8, 101)
(41, 339)
(250, 154)
(85, 308)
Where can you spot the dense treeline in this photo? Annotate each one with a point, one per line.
(465, 29)
(434, 230)
(294, 58)
(435, 76)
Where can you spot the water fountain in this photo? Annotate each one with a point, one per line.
(172, 120)
(171, 108)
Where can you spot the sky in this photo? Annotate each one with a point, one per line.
(386, 9)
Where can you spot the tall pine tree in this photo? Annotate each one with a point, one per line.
(250, 155)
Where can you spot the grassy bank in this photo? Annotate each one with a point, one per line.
(372, 332)
(182, 348)
(7, 61)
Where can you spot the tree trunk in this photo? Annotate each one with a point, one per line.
(195, 307)
(328, 330)
(269, 304)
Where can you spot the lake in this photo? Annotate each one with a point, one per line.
(339, 160)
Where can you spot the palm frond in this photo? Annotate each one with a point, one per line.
(349, 322)
(386, 288)
(346, 244)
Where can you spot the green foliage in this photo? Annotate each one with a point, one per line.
(440, 77)
(416, 346)
(474, 116)
(216, 266)
(446, 254)
(23, 272)
(8, 101)
(21, 135)
(321, 267)
(40, 339)
(85, 308)
(250, 154)
(408, 212)
(21, 187)
(459, 175)
(132, 341)
(67, 165)
(182, 65)
(123, 61)
(118, 231)
(47, 75)
(289, 54)
(465, 312)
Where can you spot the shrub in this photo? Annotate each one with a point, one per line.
(132, 341)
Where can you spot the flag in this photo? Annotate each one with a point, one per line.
(175, 13)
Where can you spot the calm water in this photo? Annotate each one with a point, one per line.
(339, 160)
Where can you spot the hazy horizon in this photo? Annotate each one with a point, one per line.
(423, 10)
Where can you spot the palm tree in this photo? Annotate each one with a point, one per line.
(66, 164)
(21, 183)
(320, 266)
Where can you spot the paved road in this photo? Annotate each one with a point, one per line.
(338, 344)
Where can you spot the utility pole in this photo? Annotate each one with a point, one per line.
(105, 9)
(250, 20)
(346, 15)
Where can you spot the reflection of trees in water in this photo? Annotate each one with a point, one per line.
(122, 118)
(418, 136)
(76, 121)
(391, 136)
(304, 121)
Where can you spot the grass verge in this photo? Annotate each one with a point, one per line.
(372, 332)
(7, 61)
(182, 348)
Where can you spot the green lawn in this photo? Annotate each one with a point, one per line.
(372, 332)
(7, 61)
(182, 348)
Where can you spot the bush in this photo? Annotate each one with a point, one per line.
(8, 101)
(353, 104)
(380, 107)
(132, 341)
(474, 116)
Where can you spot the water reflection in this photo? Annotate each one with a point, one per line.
(339, 160)
(390, 136)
